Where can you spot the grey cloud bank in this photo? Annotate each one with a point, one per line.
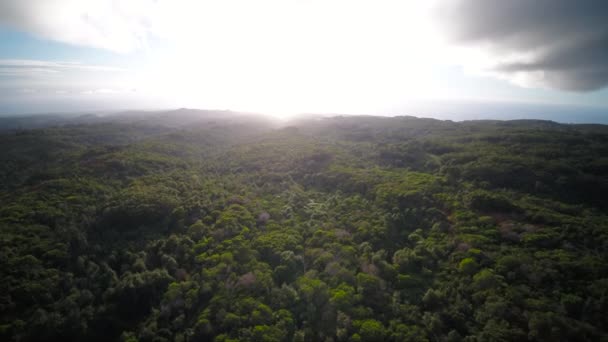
(561, 44)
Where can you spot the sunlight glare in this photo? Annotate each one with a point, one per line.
(292, 56)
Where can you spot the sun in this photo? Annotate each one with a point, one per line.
(316, 57)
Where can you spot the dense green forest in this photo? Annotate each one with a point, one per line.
(327, 229)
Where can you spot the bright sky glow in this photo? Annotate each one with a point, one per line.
(283, 56)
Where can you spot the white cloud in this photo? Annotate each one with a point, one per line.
(24, 72)
(101, 91)
(264, 55)
(120, 26)
(270, 55)
(49, 66)
(60, 77)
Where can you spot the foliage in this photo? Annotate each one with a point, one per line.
(337, 229)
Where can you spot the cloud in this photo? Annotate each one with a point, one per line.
(29, 65)
(120, 26)
(26, 73)
(100, 91)
(559, 44)
(37, 77)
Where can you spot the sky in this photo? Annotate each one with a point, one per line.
(449, 59)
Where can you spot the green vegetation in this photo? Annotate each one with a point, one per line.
(340, 229)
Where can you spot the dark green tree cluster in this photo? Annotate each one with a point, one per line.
(339, 229)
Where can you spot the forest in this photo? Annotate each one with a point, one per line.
(204, 226)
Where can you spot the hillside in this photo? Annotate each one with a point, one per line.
(347, 228)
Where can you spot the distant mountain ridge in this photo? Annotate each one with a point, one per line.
(182, 117)
(187, 118)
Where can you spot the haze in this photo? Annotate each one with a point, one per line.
(303, 170)
(445, 59)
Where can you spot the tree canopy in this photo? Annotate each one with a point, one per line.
(336, 229)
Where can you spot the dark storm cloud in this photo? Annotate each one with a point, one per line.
(567, 39)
